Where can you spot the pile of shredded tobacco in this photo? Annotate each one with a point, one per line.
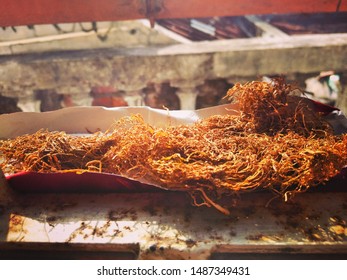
(276, 142)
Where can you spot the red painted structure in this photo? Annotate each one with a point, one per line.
(29, 12)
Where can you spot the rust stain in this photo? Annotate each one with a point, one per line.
(338, 226)
(339, 230)
(264, 238)
(122, 214)
(16, 223)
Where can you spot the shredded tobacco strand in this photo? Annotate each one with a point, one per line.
(276, 142)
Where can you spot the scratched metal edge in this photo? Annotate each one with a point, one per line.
(285, 251)
(57, 250)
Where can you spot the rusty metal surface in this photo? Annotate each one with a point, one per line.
(220, 28)
(166, 226)
(25, 12)
(205, 8)
(299, 24)
(208, 28)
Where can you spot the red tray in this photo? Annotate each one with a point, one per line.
(71, 182)
(92, 182)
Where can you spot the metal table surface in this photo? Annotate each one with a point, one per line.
(160, 225)
(164, 225)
